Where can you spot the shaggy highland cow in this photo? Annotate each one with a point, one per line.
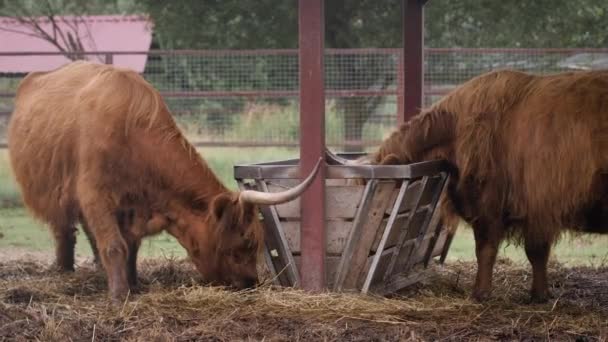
(530, 161)
(96, 144)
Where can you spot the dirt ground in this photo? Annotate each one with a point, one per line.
(37, 303)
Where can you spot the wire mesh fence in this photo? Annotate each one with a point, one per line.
(250, 97)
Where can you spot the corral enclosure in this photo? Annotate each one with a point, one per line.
(250, 97)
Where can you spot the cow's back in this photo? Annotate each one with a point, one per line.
(556, 143)
(43, 140)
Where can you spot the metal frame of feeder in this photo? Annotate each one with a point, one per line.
(394, 228)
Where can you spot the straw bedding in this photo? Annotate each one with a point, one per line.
(37, 303)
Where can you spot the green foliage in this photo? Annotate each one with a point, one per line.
(9, 193)
(30, 8)
(514, 23)
(19, 231)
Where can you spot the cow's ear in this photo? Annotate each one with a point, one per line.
(249, 212)
(391, 159)
(222, 205)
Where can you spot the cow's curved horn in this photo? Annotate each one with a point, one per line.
(268, 198)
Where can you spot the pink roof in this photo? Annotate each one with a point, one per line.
(97, 33)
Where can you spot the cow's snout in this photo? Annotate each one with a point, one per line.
(245, 284)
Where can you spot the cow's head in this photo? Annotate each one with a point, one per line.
(226, 244)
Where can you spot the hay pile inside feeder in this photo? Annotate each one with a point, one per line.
(36, 303)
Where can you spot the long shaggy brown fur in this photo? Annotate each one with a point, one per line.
(90, 142)
(529, 152)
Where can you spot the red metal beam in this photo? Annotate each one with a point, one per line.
(293, 52)
(258, 93)
(312, 142)
(413, 58)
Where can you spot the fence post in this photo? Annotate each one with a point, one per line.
(312, 142)
(413, 56)
(109, 58)
(400, 91)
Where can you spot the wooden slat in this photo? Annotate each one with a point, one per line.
(399, 282)
(371, 270)
(278, 277)
(289, 182)
(386, 258)
(406, 256)
(337, 234)
(404, 232)
(371, 210)
(440, 244)
(400, 222)
(271, 268)
(436, 228)
(276, 243)
(378, 271)
(341, 202)
(411, 195)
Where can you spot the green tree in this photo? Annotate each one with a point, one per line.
(514, 23)
(274, 24)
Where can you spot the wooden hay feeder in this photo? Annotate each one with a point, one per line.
(380, 235)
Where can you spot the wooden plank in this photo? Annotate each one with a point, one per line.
(425, 226)
(399, 282)
(385, 259)
(271, 243)
(291, 182)
(411, 195)
(371, 271)
(442, 240)
(436, 224)
(341, 202)
(331, 265)
(271, 268)
(369, 214)
(400, 223)
(276, 243)
(404, 232)
(446, 246)
(337, 235)
(374, 274)
(436, 227)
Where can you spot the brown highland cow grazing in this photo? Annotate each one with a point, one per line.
(529, 156)
(96, 144)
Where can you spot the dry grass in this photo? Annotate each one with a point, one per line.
(38, 304)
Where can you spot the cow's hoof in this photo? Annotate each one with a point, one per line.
(540, 297)
(481, 296)
(118, 300)
(119, 295)
(61, 268)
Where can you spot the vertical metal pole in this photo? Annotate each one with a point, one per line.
(413, 57)
(400, 91)
(109, 58)
(312, 142)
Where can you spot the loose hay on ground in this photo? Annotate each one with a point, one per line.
(40, 304)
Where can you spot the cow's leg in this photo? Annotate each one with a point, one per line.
(133, 247)
(99, 213)
(127, 222)
(65, 240)
(92, 242)
(487, 240)
(538, 255)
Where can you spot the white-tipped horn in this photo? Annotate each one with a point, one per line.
(269, 198)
